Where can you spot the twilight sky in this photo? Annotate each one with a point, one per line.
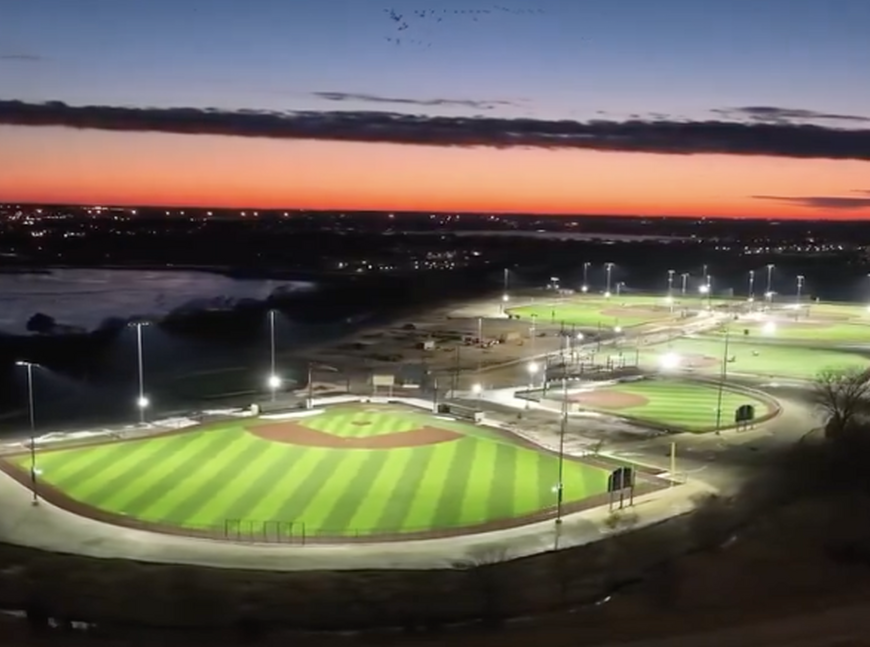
(683, 107)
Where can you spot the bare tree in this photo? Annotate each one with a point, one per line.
(842, 394)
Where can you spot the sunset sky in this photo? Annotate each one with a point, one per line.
(672, 107)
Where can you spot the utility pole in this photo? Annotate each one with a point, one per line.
(722, 378)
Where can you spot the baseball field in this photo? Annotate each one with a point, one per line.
(347, 471)
(594, 311)
(820, 330)
(678, 404)
(705, 354)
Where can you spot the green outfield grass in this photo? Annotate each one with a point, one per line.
(689, 406)
(802, 330)
(203, 478)
(592, 311)
(776, 360)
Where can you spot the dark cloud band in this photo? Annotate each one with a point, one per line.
(794, 140)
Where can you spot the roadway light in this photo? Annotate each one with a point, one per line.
(31, 408)
(769, 327)
(704, 289)
(142, 402)
(274, 383)
(505, 298)
(476, 389)
(580, 334)
(607, 294)
(584, 289)
(532, 368)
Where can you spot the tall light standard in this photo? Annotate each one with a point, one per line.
(585, 286)
(142, 401)
(704, 272)
(671, 282)
(608, 269)
(770, 267)
(751, 284)
(506, 284)
(722, 377)
(619, 286)
(560, 486)
(31, 409)
(274, 379)
(685, 283)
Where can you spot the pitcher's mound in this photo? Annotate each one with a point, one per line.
(609, 399)
(293, 433)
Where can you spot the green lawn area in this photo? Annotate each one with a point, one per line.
(778, 360)
(789, 329)
(596, 310)
(683, 405)
(207, 476)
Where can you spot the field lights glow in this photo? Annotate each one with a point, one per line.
(769, 327)
(669, 361)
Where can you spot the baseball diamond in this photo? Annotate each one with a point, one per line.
(349, 471)
(681, 405)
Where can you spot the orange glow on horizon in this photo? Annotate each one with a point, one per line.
(90, 167)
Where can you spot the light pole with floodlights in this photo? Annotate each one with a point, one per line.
(31, 409)
(142, 401)
(274, 379)
(685, 283)
(751, 284)
(585, 286)
(722, 377)
(704, 272)
(608, 269)
(671, 281)
(619, 286)
(770, 267)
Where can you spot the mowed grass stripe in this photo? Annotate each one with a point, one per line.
(90, 462)
(211, 455)
(245, 450)
(381, 490)
(128, 466)
(247, 500)
(547, 475)
(296, 464)
(356, 492)
(476, 495)
(329, 463)
(286, 456)
(429, 489)
(394, 513)
(333, 485)
(447, 507)
(135, 494)
(525, 485)
(500, 502)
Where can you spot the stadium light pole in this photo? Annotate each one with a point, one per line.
(274, 379)
(685, 283)
(770, 267)
(505, 285)
(704, 272)
(585, 286)
(608, 268)
(722, 377)
(800, 285)
(562, 429)
(31, 409)
(751, 284)
(671, 282)
(142, 401)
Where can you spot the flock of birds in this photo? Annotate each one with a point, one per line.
(404, 21)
